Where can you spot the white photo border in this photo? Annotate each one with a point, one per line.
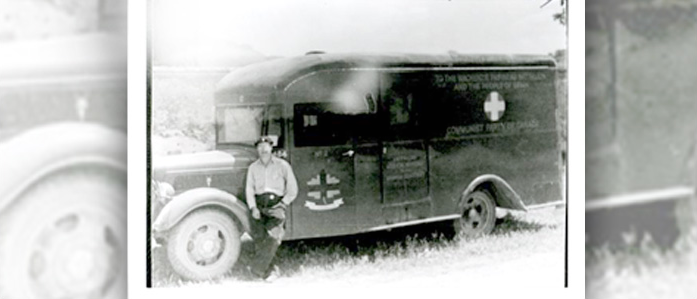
(137, 190)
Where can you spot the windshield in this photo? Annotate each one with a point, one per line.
(239, 124)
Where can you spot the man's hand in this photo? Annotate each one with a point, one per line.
(255, 213)
(281, 204)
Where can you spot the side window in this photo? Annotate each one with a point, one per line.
(273, 123)
(401, 108)
(314, 125)
(401, 99)
(326, 124)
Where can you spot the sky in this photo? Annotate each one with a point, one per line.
(294, 27)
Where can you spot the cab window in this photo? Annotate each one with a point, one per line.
(239, 124)
(273, 123)
(244, 124)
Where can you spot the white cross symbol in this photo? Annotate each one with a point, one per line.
(81, 105)
(494, 106)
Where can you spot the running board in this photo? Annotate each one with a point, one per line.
(546, 205)
(673, 193)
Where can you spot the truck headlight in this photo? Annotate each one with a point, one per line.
(165, 192)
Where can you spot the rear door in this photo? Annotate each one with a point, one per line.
(404, 150)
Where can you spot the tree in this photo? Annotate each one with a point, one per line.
(560, 16)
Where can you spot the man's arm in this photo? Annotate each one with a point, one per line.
(291, 186)
(249, 190)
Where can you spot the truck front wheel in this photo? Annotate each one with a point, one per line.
(204, 245)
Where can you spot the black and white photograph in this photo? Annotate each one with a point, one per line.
(354, 143)
(641, 138)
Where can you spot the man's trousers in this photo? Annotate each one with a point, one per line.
(267, 232)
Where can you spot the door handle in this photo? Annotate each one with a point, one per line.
(348, 153)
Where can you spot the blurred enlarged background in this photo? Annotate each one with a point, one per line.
(640, 148)
(62, 149)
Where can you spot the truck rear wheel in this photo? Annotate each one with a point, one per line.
(65, 237)
(204, 245)
(477, 214)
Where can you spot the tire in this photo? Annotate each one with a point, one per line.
(65, 237)
(477, 214)
(204, 245)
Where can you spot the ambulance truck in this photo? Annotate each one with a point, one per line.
(375, 141)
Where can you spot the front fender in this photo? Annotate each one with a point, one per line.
(37, 153)
(182, 204)
(504, 194)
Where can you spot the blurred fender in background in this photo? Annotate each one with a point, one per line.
(63, 149)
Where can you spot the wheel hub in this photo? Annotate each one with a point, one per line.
(80, 265)
(206, 245)
(474, 213)
(73, 256)
(209, 246)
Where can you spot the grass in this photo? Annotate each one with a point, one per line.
(644, 271)
(422, 252)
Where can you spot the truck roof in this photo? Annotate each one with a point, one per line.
(87, 55)
(274, 75)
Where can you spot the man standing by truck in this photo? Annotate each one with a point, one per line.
(270, 189)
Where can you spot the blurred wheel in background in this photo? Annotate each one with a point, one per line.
(63, 213)
(65, 238)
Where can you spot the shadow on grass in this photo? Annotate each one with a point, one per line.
(368, 247)
(510, 224)
(325, 252)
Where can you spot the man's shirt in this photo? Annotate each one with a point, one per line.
(275, 177)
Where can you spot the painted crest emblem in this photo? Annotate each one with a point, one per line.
(324, 188)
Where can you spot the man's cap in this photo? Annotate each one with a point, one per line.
(263, 139)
